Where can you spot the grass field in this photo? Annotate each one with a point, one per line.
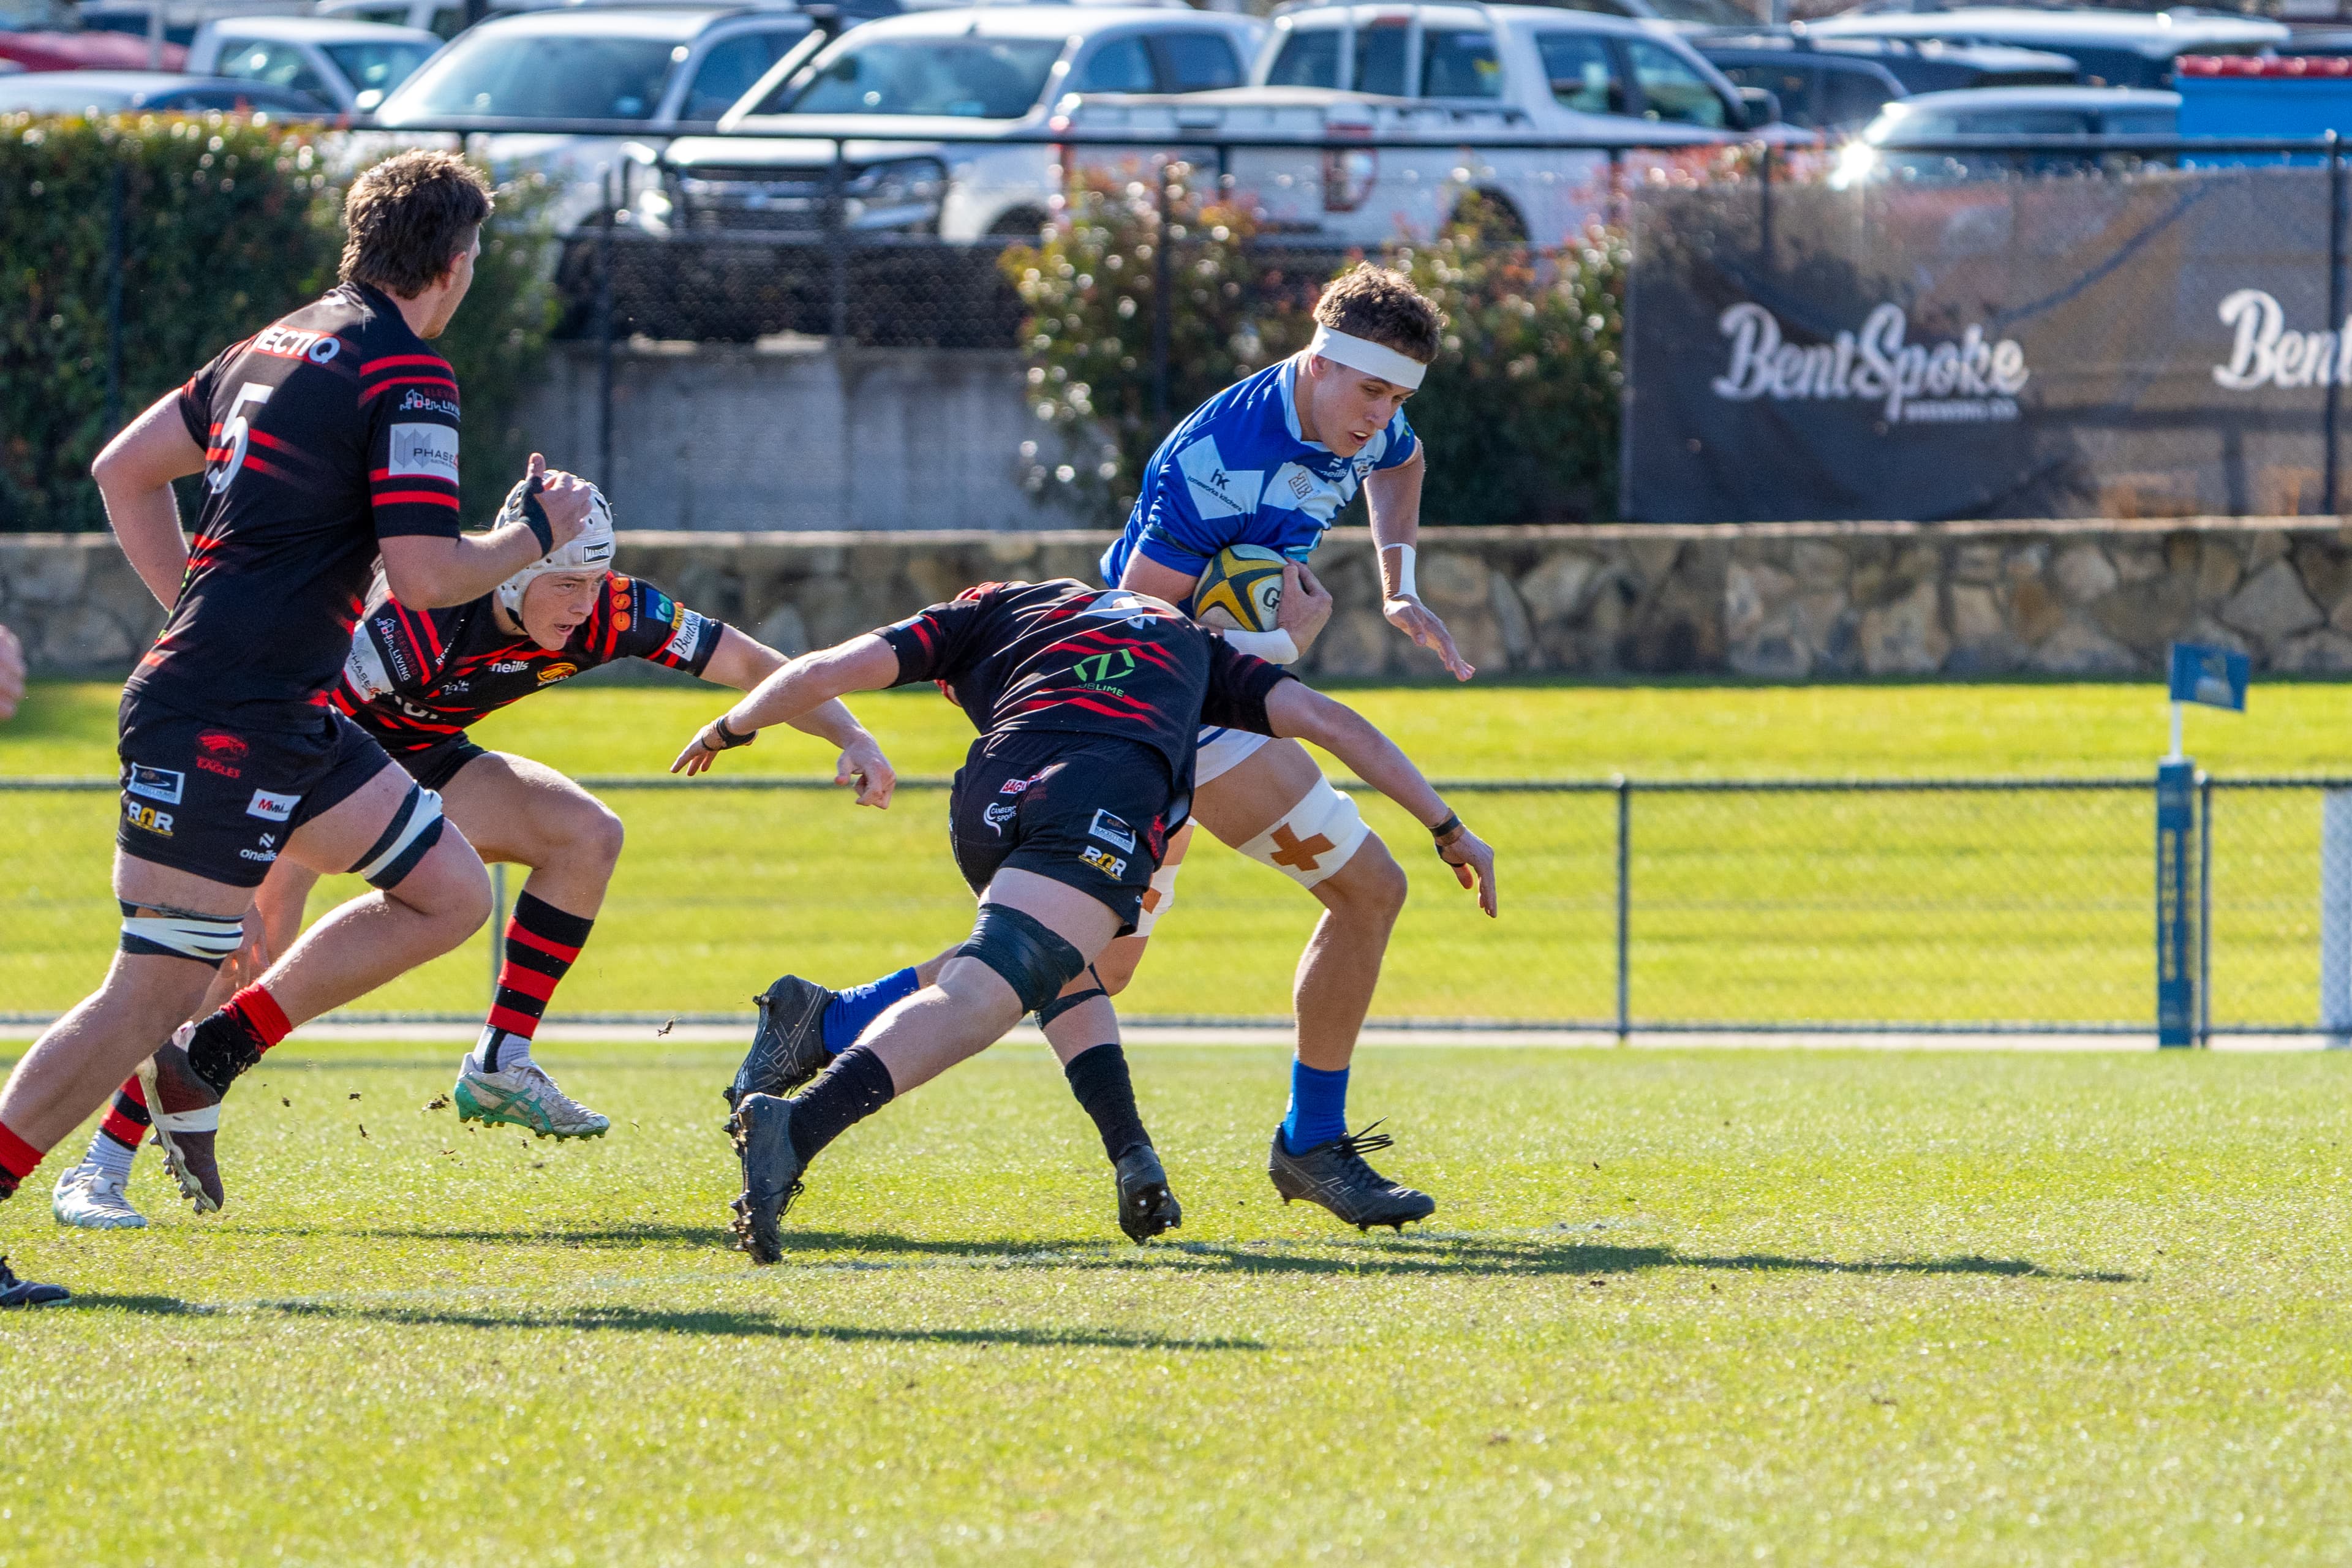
(1678, 1307)
(1789, 908)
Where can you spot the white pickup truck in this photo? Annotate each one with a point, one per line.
(1492, 82)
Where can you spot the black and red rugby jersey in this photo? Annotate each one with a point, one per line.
(332, 428)
(1093, 661)
(418, 677)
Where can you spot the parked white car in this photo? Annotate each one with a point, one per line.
(1483, 80)
(2113, 48)
(894, 85)
(627, 74)
(350, 66)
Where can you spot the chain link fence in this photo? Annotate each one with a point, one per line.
(1975, 906)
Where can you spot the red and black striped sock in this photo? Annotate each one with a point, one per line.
(542, 941)
(18, 1159)
(122, 1130)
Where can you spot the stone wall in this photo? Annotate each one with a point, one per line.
(1775, 601)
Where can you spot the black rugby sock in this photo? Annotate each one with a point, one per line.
(853, 1087)
(1098, 1078)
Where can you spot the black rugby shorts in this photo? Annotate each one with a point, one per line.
(1091, 812)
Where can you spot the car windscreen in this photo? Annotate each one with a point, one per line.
(1310, 59)
(538, 77)
(377, 67)
(979, 78)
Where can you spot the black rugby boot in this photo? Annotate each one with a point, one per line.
(16, 1292)
(1335, 1176)
(1146, 1206)
(763, 1130)
(788, 1046)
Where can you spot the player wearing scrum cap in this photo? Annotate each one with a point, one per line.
(414, 681)
(1270, 461)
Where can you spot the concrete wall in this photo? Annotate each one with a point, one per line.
(791, 435)
(1778, 601)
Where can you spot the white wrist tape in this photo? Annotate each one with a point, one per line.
(1405, 587)
(1362, 353)
(1274, 647)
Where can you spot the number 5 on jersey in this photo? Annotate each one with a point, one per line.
(237, 433)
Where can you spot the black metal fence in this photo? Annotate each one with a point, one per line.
(1629, 908)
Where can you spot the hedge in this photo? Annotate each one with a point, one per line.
(226, 226)
(1520, 411)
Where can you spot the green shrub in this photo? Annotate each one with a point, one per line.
(1520, 412)
(226, 226)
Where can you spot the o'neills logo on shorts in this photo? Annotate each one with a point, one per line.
(1962, 380)
(2264, 353)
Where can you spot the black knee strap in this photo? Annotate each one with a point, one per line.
(1061, 1005)
(1025, 951)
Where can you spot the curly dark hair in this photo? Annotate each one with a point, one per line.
(410, 217)
(1371, 301)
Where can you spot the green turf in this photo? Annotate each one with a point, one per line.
(1677, 1308)
(1855, 908)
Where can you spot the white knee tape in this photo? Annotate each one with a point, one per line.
(1157, 898)
(1314, 839)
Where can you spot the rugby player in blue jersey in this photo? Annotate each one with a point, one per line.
(1269, 461)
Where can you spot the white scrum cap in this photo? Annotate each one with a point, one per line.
(592, 551)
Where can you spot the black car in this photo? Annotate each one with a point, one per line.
(1836, 84)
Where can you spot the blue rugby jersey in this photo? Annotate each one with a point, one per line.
(1236, 471)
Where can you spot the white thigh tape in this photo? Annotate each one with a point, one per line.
(1314, 839)
(204, 1120)
(182, 936)
(1157, 898)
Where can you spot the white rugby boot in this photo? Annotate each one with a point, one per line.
(524, 1096)
(90, 1197)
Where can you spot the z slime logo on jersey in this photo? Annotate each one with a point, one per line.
(1104, 671)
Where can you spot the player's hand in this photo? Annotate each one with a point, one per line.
(1415, 620)
(707, 744)
(12, 673)
(1306, 606)
(251, 960)
(863, 764)
(564, 498)
(1471, 855)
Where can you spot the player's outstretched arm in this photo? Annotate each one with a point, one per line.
(1393, 496)
(427, 571)
(1301, 713)
(864, 663)
(744, 662)
(134, 476)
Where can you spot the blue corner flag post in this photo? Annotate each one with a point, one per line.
(2217, 678)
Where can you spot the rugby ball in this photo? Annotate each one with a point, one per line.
(1240, 589)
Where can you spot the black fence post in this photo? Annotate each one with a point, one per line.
(116, 261)
(1624, 908)
(836, 235)
(1161, 282)
(2328, 464)
(605, 342)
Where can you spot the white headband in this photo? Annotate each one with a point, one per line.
(1362, 353)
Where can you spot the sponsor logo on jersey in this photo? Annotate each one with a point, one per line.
(158, 823)
(660, 606)
(415, 401)
(998, 813)
(215, 742)
(264, 855)
(294, 343)
(1218, 490)
(430, 451)
(510, 667)
(211, 765)
(1298, 482)
(686, 637)
(1112, 830)
(555, 672)
(1103, 860)
(1105, 670)
(155, 784)
(456, 688)
(1014, 786)
(272, 808)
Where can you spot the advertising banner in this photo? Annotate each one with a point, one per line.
(2086, 345)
